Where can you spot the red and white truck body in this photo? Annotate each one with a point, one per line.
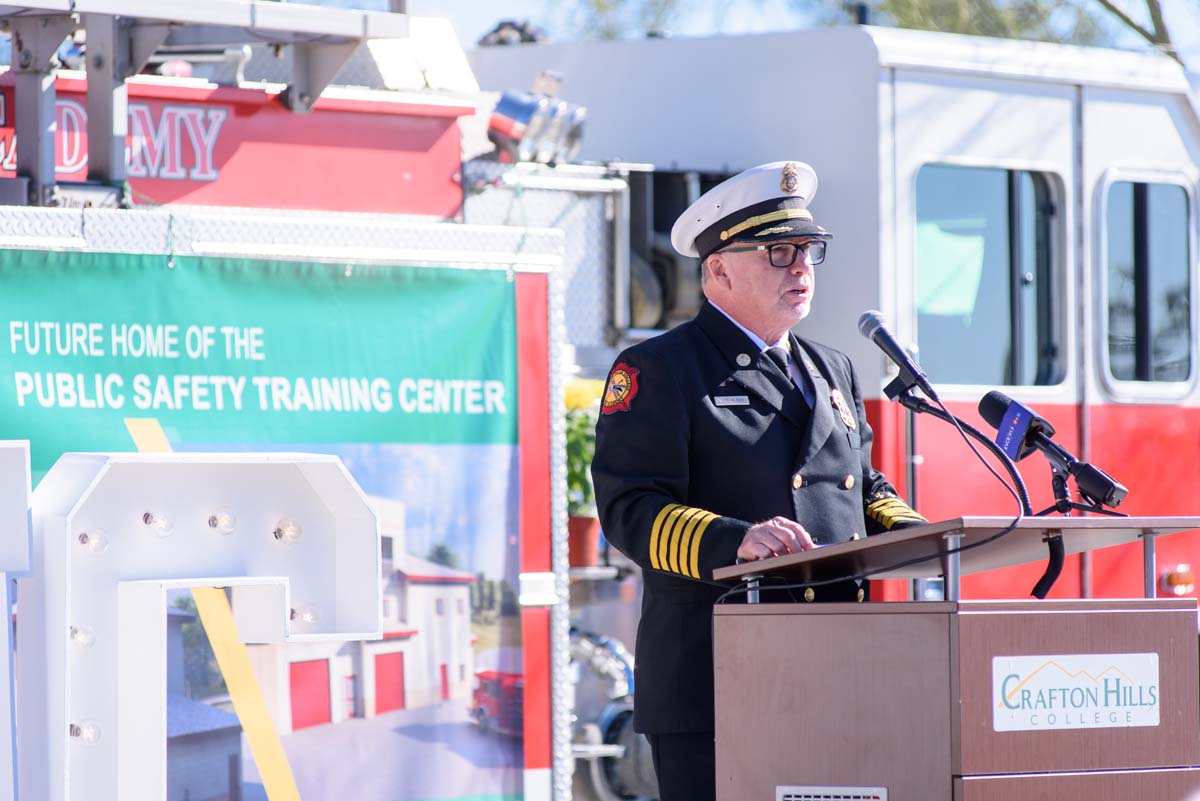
(1025, 213)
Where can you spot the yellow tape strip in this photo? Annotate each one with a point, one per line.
(248, 702)
(147, 435)
(232, 658)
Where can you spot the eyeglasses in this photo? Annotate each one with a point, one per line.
(783, 254)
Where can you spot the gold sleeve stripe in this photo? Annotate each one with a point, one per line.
(655, 562)
(679, 519)
(675, 538)
(664, 537)
(886, 503)
(889, 513)
(892, 510)
(684, 527)
(883, 507)
(694, 556)
(685, 541)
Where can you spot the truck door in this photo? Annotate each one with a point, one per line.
(1141, 153)
(984, 213)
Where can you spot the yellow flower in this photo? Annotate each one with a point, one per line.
(583, 394)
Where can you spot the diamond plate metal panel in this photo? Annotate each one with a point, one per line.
(320, 236)
(128, 231)
(22, 226)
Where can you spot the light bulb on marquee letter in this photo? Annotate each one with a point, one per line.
(161, 525)
(82, 636)
(87, 731)
(302, 614)
(288, 531)
(222, 521)
(92, 541)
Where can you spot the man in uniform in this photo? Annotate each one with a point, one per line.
(727, 439)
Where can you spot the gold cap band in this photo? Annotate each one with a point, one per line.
(763, 219)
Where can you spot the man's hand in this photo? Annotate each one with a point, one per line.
(774, 537)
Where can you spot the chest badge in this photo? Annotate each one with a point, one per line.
(622, 389)
(843, 408)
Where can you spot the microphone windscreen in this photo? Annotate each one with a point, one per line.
(870, 322)
(992, 407)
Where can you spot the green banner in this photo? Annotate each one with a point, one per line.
(250, 350)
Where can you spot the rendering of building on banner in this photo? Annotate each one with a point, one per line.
(204, 742)
(424, 658)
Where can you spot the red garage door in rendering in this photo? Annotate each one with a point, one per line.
(310, 693)
(389, 682)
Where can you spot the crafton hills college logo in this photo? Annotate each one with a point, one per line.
(621, 390)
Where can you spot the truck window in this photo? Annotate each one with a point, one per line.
(1148, 283)
(984, 265)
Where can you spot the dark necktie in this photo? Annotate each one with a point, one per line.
(779, 355)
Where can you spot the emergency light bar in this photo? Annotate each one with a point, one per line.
(537, 126)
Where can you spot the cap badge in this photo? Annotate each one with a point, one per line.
(622, 389)
(790, 181)
(843, 409)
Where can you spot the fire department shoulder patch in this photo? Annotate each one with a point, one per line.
(621, 390)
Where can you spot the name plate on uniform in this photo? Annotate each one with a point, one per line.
(1074, 691)
(731, 400)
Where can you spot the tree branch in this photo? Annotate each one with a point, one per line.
(1162, 37)
(1127, 20)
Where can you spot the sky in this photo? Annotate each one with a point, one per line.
(473, 18)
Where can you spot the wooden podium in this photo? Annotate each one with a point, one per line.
(963, 700)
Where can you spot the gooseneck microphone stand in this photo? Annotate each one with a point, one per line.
(922, 406)
(902, 394)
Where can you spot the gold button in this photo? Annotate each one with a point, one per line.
(809, 594)
(861, 595)
(849, 482)
(797, 481)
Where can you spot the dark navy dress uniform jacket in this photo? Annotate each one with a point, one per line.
(706, 447)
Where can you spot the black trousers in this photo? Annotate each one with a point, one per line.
(686, 765)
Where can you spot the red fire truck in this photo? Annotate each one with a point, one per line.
(1024, 213)
(497, 704)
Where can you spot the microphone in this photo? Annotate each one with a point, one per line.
(1020, 430)
(871, 326)
(1016, 426)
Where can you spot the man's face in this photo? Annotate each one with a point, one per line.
(763, 297)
